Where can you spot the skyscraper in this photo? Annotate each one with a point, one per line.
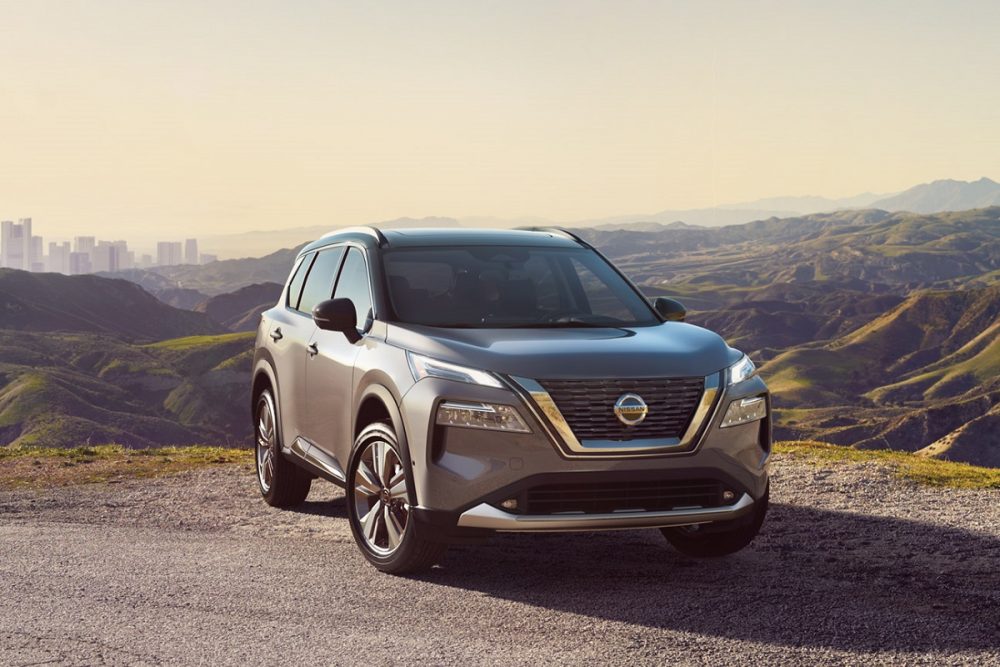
(168, 253)
(191, 251)
(36, 254)
(6, 236)
(125, 258)
(15, 244)
(59, 257)
(84, 244)
(79, 263)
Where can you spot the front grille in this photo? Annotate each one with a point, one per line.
(604, 497)
(589, 406)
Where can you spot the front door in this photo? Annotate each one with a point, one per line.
(330, 367)
(318, 287)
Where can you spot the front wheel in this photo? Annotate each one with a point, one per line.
(721, 538)
(378, 504)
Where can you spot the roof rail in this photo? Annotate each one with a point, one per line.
(374, 232)
(559, 231)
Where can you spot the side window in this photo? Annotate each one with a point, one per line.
(353, 285)
(319, 282)
(295, 286)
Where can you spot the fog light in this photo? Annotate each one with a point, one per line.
(745, 410)
(489, 416)
(509, 504)
(728, 495)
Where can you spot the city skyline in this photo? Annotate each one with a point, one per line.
(21, 249)
(190, 117)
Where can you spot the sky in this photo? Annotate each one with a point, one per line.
(158, 119)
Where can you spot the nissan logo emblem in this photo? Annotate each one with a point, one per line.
(631, 409)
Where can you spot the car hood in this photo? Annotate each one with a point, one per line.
(671, 349)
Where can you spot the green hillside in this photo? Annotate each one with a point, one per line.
(873, 329)
(70, 389)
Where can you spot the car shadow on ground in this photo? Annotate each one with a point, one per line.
(812, 578)
(335, 508)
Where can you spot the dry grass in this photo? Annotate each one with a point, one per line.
(932, 472)
(40, 467)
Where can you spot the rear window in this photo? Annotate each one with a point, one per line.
(295, 286)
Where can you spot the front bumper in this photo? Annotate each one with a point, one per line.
(461, 475)
(489, 517)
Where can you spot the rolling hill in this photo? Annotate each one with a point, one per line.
(874, 329)
(54, 302)
(64, 390)
(915, 378)
(227, 275)
(903, 250)
(240, 310)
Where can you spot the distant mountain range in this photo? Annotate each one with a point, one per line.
(874, 329)
(944, 196)
(258, 243)
(935, 197)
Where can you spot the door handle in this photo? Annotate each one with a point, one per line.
(276, 335)
(312, 349)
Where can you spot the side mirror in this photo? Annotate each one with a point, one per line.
(337, 315)
(669, 309)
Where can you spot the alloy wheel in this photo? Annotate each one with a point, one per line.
(380, 500)
(266, 442)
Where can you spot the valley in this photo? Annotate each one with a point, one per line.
(875, 330)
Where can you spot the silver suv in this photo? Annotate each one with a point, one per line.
(461, 382)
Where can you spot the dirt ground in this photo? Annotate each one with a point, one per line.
(853, 566)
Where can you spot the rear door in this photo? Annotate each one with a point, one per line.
(288, 333)
(330, 368)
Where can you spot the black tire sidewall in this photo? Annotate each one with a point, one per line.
(289, 483)
(386, 433)
(266, 397)
(722, 539)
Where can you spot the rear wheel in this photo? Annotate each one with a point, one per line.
(378, 503)
(281, 482)
(720, 538)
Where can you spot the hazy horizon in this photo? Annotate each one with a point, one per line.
(130, 120)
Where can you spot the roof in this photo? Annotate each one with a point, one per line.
(430, 237)
(450, 236)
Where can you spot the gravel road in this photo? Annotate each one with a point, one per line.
(853, 567)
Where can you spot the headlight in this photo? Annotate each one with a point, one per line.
(489, 416)
(744, 411)
(740, 371)
(423, 367)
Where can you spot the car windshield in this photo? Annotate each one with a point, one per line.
(510, 287)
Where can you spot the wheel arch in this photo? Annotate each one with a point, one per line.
(263, 376)
(374, 403)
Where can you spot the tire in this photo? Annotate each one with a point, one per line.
(378, 506)
(719, 539)
(281, 482)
